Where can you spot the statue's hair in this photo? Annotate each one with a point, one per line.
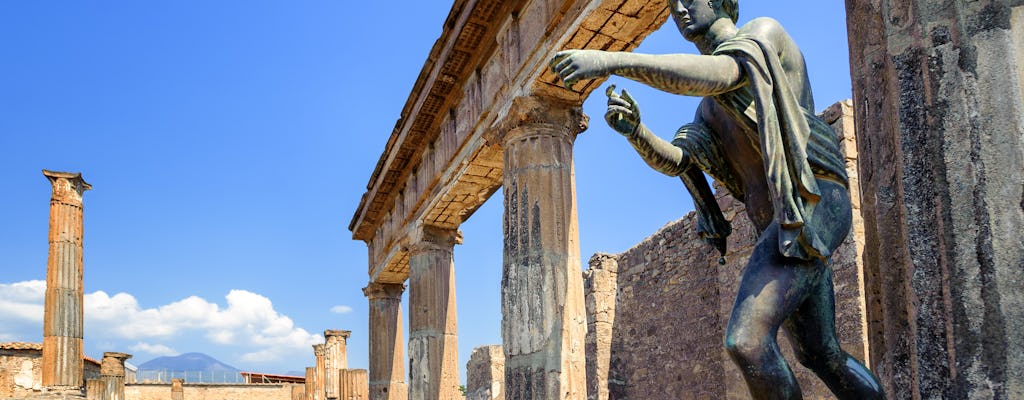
(731, 8)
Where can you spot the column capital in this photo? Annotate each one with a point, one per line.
(428, 238)
(332, 333)
(67, 186)
(384, 291)
(113, 363)
(562, 116)
(318, 350)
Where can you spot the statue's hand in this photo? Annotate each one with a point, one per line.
(576, 65)
(623, 113)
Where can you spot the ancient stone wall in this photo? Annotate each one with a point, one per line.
(657, 312)
(211, 391)
(21, 372)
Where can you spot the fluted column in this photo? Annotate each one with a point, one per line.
(94, 389)
(310, 382)
(352, 384)
(321, 372)
(387, 349)
(178, 389)
(112, 375)
(433, 336)
(335, 358)
(62, 318)
(543, 319)
(298, 393)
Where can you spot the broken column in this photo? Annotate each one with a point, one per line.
(112, 375)
(318, 383)
(298, 393)
(310, 382)
(94, 389)
(543, 319)
(335, 359)
(433, 339)
(387, 355)
(485, 374)
(600, 287)
(178, 389)
(352, 384)
(62, 318)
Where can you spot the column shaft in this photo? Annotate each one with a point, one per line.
(335, 359)
(353, 384)
(433, 340)
(321, 372)
(310, 382)
(387, 349)
(63, 312)
(178, 389)
(543, 320)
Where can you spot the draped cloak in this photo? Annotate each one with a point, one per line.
(796, 146)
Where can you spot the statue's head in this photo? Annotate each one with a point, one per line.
(694, 17)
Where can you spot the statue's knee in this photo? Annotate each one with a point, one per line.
(745, 350)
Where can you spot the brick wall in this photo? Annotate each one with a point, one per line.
(657, 312)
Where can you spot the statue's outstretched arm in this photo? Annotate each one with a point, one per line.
(623, 115)
(684, 74)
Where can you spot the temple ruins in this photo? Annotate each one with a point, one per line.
(939, 110)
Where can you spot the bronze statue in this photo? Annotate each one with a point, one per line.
(756, 133)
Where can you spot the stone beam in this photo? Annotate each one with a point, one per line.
(437, 167)
(62, 315)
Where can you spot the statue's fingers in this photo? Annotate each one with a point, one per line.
(633, 106)
(610, 91)
(618, 102)
(619, 110)
(564, 63)
(559, 56)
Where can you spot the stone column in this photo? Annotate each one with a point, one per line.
(298, 392)
(353, 384)
(387, 355)
(112, 375)
(310, 382)
(939, 109)
(62, 318)
(600, 289)
(485, 374)
(94, 389)
(335, 358)
(433, 339)
(543, 320)
(321, 372)
(178, 389)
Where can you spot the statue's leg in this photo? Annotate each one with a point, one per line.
(771, 288)
(812, 332)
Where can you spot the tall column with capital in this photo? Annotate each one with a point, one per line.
(433, 336)
(335, 359)
(112, 375)
(543, 316)
(321, 372)
(387, 349)
(62, 316)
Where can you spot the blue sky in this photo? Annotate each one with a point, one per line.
(228, 144)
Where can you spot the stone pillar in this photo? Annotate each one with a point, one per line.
(62, 318)
(178, 389)
(352, 384)
(433, 339)
(600, 287)
(939, 108)
(321, 372)
(112, 375)
(310, 382)
(94, 389)
(335, 359)
(387, 355)
(298, 392)
(543, 320)
(485, 374)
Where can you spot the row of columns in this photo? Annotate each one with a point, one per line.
(543, 320)
(330, 378)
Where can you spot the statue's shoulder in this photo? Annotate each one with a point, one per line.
(768, 30)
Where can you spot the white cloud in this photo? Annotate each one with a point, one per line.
(249, 321)
(154, 349)
(341, 309)
(22, 302)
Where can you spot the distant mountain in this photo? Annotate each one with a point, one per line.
(193, 367)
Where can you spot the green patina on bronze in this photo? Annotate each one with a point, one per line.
(754, 132)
